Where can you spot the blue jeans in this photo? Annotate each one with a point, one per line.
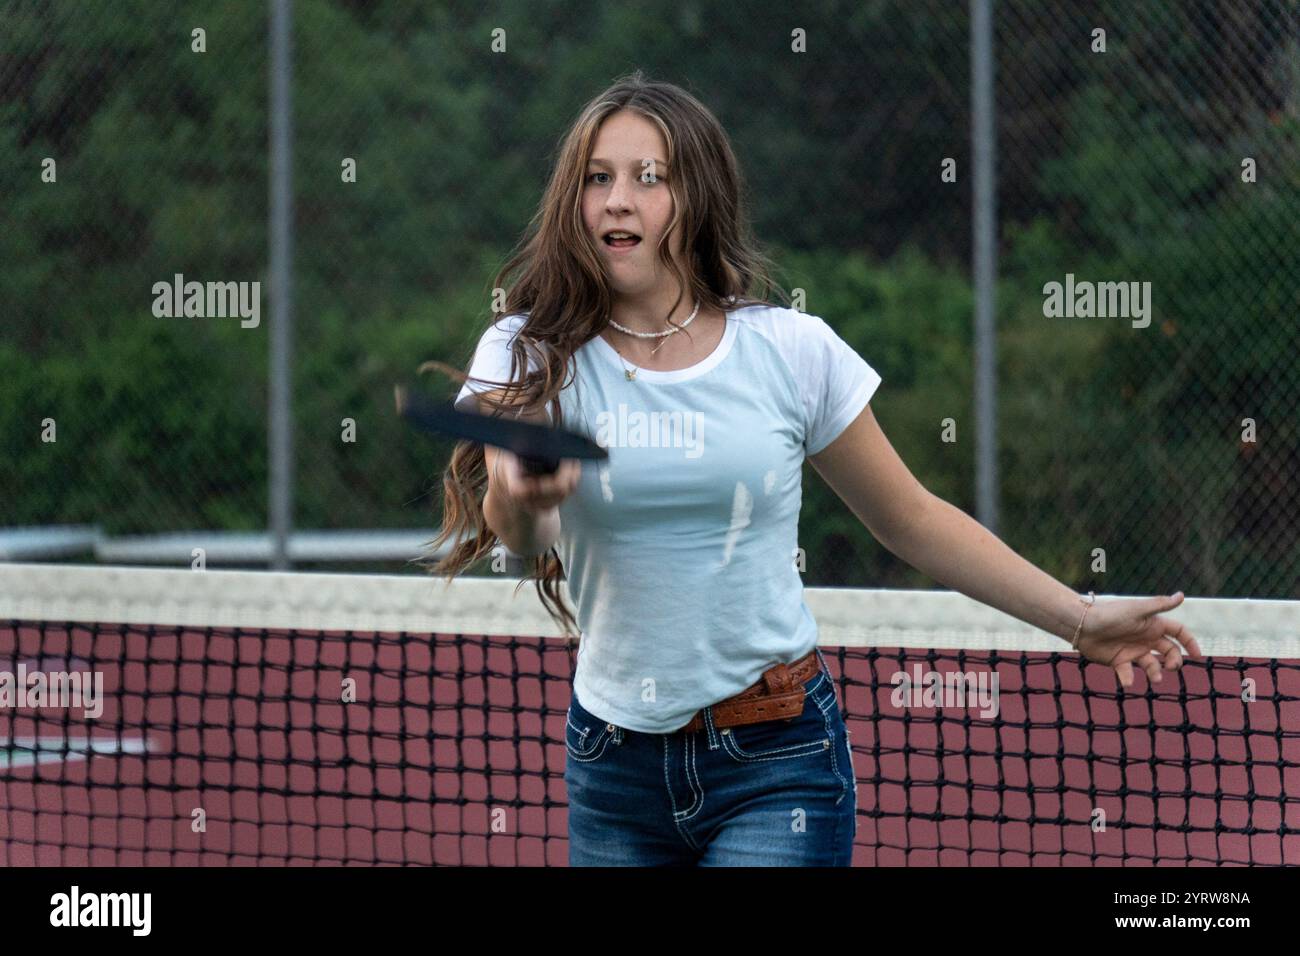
(769, 794)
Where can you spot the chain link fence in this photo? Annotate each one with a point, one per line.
(128, 159)
(1152, 148)
(1133, 457)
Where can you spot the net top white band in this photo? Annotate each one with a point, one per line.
(850, 617)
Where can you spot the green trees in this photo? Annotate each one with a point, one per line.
(1122, 166)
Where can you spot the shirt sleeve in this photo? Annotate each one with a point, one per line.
(837, 383)
(491, 361)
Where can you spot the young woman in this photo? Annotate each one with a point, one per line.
(703, 727)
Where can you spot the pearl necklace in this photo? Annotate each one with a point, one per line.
(631, 372)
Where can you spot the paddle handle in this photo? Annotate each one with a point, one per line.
(539, 466)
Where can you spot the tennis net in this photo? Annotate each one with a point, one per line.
(260, 718)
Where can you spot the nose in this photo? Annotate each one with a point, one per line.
(620, 195)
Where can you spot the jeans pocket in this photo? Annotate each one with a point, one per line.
(586, 737)
(799, 736)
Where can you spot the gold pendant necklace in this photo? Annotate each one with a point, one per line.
(631, 372)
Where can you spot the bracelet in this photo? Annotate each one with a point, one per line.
(1078, 631)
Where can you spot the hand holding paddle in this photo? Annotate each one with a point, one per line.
(539, 448)
(533, 492)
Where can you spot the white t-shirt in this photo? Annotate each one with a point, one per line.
(679, 551)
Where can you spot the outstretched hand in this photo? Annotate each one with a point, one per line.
(1123, 631)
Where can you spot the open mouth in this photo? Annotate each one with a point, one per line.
(621, 240)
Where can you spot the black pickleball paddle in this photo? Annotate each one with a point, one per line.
(539, 447)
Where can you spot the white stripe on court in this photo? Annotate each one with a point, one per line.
(19, 752)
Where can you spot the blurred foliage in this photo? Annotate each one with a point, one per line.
(1115, 166)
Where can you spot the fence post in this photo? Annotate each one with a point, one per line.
(984, 223)
(280, 431)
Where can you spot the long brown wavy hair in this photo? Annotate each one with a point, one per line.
(564, 291)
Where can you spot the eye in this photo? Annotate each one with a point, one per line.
(659, 178)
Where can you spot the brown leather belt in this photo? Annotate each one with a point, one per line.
(778, 696)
